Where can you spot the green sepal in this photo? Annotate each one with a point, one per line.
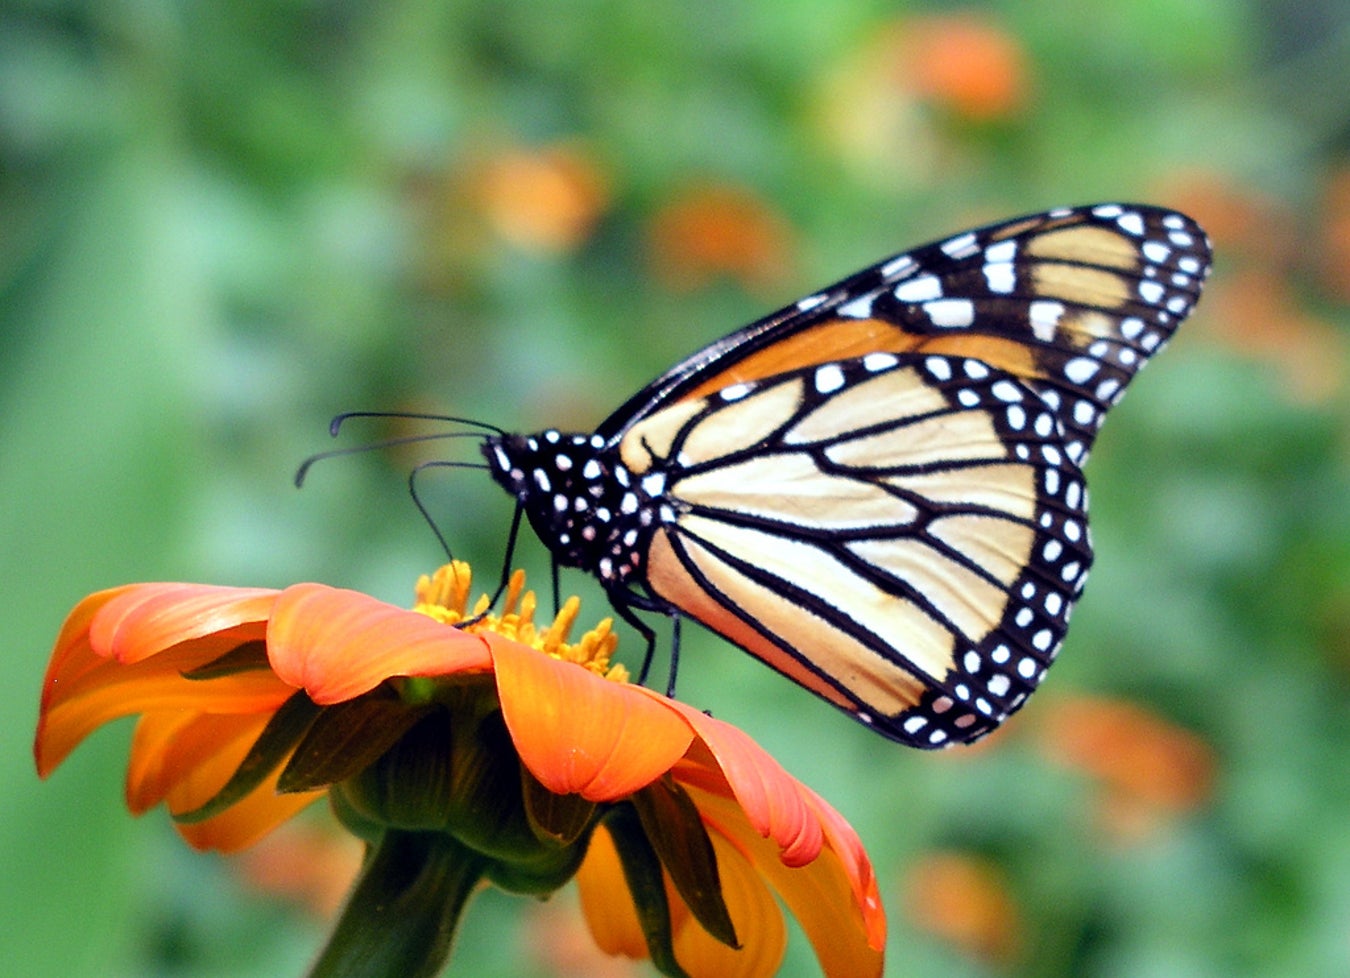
(401, 917)
(279, 737)
(354, 819)
(675, 829)
(642, 873)
(560, 818)
(347, 738)
(543, 871)
(410, 786)
(245, 657)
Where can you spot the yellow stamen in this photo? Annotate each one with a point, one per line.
(444, 596)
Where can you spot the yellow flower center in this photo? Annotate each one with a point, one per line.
(444, 596)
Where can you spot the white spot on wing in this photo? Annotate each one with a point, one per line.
(859, 308)
(1045, 315)
(939, 368)
(1000, 277)
(1131, 223)
(961, 246)
(829, 378)
(898, 267)
(950, 313)
(925, 288)
(1155, 251)
(1080, 370)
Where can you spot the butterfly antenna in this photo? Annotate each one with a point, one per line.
(338, 421)
(422, 507)
(303, 471)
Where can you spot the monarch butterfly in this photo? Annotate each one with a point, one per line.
(877, 490)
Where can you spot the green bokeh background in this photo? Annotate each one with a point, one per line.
(221, 224)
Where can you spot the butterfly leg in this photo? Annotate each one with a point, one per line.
(624, 603)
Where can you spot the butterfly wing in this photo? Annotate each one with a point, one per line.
(877, 489)
(1071, 301)
(901, 534)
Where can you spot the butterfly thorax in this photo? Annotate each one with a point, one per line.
(581, 500)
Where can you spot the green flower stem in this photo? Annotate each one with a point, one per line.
(401, 918)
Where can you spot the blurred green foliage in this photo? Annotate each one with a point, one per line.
(222, 223)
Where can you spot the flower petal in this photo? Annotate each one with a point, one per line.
(171, 748)
(185, 759)
(337, 644)
(848, 937)
(244, 823)
(777, 804)
(579, 733)
(754, 911)
(606, 902)
(123, 651)
(111, 691)
(72, 656)
(843, 841)
(146, 619)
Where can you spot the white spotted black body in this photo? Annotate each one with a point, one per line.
(580, 498)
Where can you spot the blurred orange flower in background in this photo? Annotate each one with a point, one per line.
(964, 900)
(1149, 768)
(545, 199)
(1255, 306)
(893, 108)
(1335, 235)
(308, 862)
(717, 230)
(966, 63)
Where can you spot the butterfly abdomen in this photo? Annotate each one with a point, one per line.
(580, 498)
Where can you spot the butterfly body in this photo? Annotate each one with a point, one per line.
(877, 490)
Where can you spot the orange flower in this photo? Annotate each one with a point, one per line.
(966, 62)
(1148, 767)
(1255, 308)
(713, 230)
(964, 900)
(546, 200)
(901, 108)
(460, 754)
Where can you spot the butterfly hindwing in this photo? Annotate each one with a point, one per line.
(916, 570)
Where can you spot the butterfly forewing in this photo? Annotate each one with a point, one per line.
(1072, 301)
(877, 490)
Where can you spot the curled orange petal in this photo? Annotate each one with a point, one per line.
(772, 798)
(849, 936)
(337, 644)
(149, 618)
(755, 913)
(174, 747)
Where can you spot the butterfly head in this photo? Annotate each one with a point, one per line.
(582, 501)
